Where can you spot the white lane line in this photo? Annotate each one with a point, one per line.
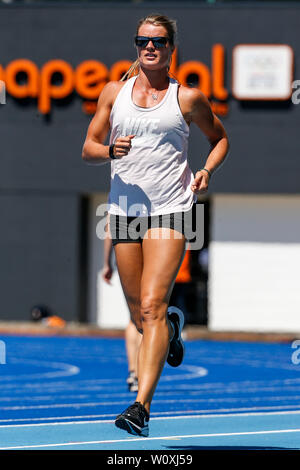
(89, 395)
(63, 370)
(245, 411)
(156, 401)
(190, 436)
(156, 418)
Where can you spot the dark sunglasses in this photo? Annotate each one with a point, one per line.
(158, 42)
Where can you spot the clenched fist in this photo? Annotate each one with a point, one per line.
(122, 146)
(200, 183)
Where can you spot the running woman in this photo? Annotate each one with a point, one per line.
(148, 116)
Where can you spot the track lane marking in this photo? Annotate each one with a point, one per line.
(190, 436)
(154, 418)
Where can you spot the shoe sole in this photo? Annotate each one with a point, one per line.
(126, 425)
(181, 324)
(180, 314)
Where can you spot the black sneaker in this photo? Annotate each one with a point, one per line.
(134, 420)
(176, 350)
(132, 382)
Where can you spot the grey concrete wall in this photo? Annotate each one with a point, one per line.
(39, 253)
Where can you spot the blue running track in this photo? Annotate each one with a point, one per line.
(64, 393)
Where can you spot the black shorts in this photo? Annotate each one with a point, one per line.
(125, 229)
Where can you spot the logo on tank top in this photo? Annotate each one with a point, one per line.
(140, 126)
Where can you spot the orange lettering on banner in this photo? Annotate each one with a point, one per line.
(90, 78)
(48, 90)
(218, 69)
(2, 76)
(31, 70)
(197, 68)
(118, 69)
(174, 62)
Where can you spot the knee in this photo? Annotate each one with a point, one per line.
(152, 309)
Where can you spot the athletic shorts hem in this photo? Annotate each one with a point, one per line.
(127, 229)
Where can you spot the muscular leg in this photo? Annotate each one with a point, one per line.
(129, 259)
(162, 259)
(147, 273)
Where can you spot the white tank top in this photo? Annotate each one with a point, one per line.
(154, 178)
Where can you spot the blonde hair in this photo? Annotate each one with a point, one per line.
(156, 20)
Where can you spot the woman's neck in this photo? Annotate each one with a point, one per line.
(149, 79)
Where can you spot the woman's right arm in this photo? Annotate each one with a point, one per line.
(94, 150)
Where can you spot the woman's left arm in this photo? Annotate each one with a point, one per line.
(199, 111)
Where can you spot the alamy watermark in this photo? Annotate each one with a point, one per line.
(190, 224)
(296, 354)
(2, 92)
(296, 93)
(2, 353)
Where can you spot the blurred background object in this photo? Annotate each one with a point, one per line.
(43, 314)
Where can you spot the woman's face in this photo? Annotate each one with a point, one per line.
(152, 58)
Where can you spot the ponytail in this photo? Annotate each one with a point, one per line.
(131, 71)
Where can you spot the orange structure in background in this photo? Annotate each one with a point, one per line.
(184, 273)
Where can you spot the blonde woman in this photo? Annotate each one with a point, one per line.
(152, 189)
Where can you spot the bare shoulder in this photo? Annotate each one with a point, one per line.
(110, 92)
(192, 101)
(99, 125)
(191, 96)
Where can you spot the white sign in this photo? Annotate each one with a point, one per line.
(2, 92)
(262, 71)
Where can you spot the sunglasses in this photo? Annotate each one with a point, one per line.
(158, 42)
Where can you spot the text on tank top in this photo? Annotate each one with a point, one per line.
(154, 178)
